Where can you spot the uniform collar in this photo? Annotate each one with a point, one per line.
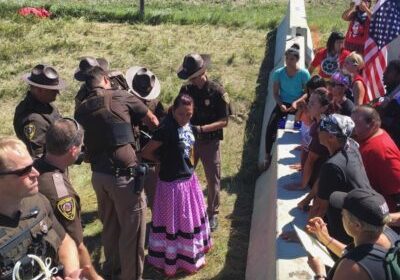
(8, 221)
(42, 165)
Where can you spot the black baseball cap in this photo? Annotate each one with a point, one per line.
(367, 205)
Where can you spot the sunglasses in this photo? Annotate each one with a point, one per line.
(333, 84)
(19, 172)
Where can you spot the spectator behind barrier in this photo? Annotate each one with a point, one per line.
(289, 82)
(329, 60)
(364, 216)
(390, 107)
(359, 16)
(343, 171)
(353, 64)
(340, 86)
(380, 155)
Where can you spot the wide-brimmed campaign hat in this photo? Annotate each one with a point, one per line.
(44, 76)
(86, 64)
(366, 204)
(193, 65)
(143, 83)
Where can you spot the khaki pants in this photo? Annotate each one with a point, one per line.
(122, 213)
(209, 153)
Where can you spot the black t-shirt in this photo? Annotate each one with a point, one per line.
(176, 151)
(346, 108)
(344, 171)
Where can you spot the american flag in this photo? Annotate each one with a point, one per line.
(384, 28)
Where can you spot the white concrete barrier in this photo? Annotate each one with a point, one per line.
(269, 257)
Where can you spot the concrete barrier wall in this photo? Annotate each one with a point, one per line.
(263, 246)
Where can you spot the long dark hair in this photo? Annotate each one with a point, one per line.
(330, 45)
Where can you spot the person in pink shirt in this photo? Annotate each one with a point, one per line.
(380, 155)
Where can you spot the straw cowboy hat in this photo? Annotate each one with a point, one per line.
(143, 83)
(86, 64)
(44, 76)
(193, 65)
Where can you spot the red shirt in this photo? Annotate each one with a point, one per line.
(328, 65)
(381, 159)
(358, 77)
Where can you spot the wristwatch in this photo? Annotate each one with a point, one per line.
(319, 277)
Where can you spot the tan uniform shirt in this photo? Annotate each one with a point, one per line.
(31, 121)
(56, 186)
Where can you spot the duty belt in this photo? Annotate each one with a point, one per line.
(128, 171)
(209, 135)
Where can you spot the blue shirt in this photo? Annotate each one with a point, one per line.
(290, 88)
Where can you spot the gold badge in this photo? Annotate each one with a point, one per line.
(29, 131)
(225, 97)
(67, 207)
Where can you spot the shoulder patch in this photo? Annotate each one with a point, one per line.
(67, 207)
(59, 184)
(30, 131)
(225, 97)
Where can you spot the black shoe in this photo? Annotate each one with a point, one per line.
(213, 223)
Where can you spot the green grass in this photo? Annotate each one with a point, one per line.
(253, 14)
(235, 33)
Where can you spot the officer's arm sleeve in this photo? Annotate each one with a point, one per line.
(68, 213)
(137, 110)
(34, 136)
(223, 104)
(56, 224)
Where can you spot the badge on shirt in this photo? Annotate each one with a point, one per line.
(207, 102)
(67, 207)
(225, 97)
(29, 131)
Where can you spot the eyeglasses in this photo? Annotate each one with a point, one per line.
(333, 84)
(19, 172)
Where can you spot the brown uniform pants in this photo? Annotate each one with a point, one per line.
(209, 154)
(150, 184)
(122, 213)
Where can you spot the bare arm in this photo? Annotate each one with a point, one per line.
(348, 269)
(68, 255)
(215, 125)
(150, 120)
(308, 168)
(359, 93)
(319, 208)
(149, 151)
(318, 227)
(348, 14)
(84, 260)
(311, 69)
(275, 88)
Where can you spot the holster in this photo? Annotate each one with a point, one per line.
(137, 172)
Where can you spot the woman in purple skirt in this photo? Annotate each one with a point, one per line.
(180, 233)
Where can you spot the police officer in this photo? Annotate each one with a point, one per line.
(135, 78)
(210, 116)
(107, 115)
(64, 140)
(27, 222)
(35, 113)
(117, 79)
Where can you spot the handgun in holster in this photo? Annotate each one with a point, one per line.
(140, 176)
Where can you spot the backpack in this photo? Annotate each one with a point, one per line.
(392, 262)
